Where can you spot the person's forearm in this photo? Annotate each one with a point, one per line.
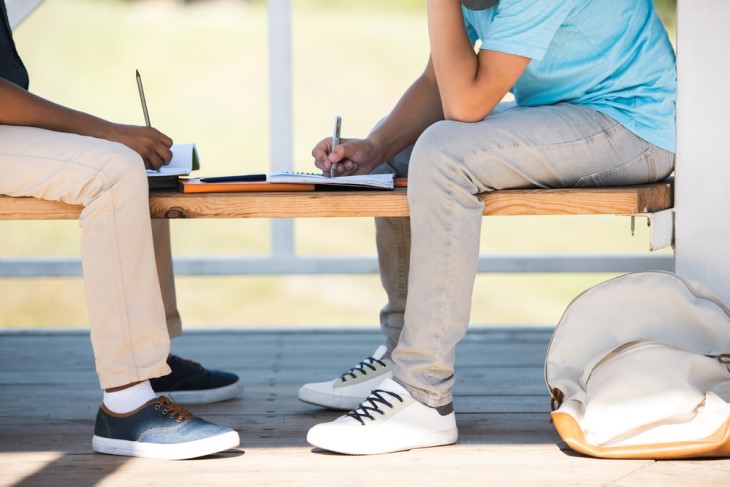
(454, 61)
(467, 94)
(417, 109)
(19, 107)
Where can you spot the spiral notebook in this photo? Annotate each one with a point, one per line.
(379, 181)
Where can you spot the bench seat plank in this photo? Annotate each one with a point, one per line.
(629, 200)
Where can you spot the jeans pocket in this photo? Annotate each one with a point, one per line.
(640, 170)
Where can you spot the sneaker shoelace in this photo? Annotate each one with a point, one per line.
(361, 367)
(172, 410)
(372, 405)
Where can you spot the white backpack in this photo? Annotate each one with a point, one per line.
(638, 368)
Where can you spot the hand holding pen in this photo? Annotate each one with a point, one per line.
(353, 156)
(152, 145)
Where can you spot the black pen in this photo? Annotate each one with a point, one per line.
(234, 179)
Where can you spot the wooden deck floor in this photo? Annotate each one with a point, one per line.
(49, 396)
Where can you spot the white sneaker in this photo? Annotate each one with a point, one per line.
(351, 388)
(388, 420)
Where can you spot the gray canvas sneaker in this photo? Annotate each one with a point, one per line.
(351, 388)
(160, 429)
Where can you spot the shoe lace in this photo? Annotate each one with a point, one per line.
(368, 362)
(372, 405)
(172, 410)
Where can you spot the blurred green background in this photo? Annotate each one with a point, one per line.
(204, 65)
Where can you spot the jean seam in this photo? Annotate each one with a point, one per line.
(606, 131)
(110, 191)
(403, 263)
(645, 156)
(438, 334)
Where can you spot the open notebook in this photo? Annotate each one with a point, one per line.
(381, 181)
(184, 161)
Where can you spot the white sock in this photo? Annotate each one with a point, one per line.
(129, 399)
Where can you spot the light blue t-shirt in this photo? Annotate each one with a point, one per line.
(611, 55)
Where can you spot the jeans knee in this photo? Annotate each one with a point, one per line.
(125, 168)
(122, 172)
(431, 156)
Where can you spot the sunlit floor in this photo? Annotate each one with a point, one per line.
(49, 396)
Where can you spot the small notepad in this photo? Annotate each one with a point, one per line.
(184, 161)
(380, 181)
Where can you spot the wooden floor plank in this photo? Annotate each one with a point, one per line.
(49, 396)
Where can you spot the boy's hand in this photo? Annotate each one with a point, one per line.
(351, 156)
(148, 142)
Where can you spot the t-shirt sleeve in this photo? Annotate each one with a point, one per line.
(470, 32)
(525, 27)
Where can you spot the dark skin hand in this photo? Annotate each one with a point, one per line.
(20, 107)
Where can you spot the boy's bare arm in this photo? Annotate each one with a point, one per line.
(20, 107)
(470, 84)
(417, 109)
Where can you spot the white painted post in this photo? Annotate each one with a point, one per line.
(281, 112)
(702, 194)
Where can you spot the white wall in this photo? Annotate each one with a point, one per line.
(702, 196)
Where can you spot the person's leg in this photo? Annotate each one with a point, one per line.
(452, 162)
(128, 330)
(553, 146)
(393, 241)
(166, 275)
(348, 390)
(127, 319)
(188, 382)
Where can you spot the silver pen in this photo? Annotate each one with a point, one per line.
(142, 99)
(335, 142)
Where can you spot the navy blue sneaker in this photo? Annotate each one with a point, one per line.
(160, 429)
(191, 383)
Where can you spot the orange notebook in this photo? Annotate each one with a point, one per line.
(196, 186)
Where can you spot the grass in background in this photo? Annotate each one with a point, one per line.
(205, 72)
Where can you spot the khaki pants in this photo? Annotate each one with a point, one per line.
(428, 263)
(125, 256)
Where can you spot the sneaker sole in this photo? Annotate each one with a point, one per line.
(178, 451)
(205, 396)
(441, 438)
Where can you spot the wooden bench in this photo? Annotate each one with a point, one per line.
(632, 200)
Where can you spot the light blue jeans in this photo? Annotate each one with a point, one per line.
(428, 262)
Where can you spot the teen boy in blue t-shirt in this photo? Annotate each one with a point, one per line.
(594, 89)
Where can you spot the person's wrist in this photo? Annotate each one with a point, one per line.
(377, 149)
(104, 129)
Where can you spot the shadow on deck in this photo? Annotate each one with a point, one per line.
(49, 395)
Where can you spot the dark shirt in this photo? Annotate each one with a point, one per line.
(11, 66)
